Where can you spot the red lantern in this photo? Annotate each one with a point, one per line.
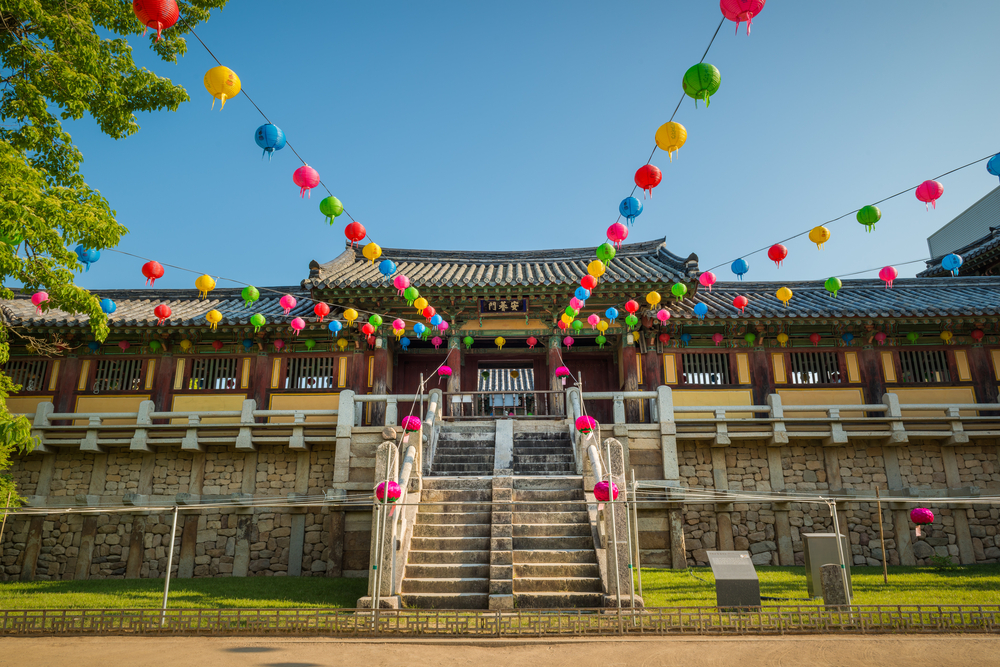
(156, 14)
(815, 338)
(355, 232)
(977, 335)
(717, 338)
(777, 254)
(561, 325)
(664, 338)
(929, 192)
(740, 303)
(631, 306)
(588, 282)
(321, 310)
(429, 312)
(741, 10)
(217, 345)
(162, 312)
(152, 271)
(532, 342)
(367, 329)
(647, 178)
(880, 337)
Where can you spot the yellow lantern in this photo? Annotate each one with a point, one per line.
(596, 268)
(670, 137)
(213, 317)
(566, 318)
(499, 340)
(946, 336)
(652, 299)
(205, 284)
(342, 343)
(782, 339)
(372, 251)
(350, 315)
(602, 326)
(223, 84)
(186, 345)
(420, 303)
(784, 295)
(819, 236)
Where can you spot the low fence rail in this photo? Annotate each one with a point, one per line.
(777, 620)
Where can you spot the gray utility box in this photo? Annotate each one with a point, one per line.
(821, 549)
(736, 583)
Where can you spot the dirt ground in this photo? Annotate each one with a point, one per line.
(818, 651)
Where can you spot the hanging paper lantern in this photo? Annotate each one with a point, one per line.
(663, 315)
(152, 270)
(420, 303)
(410, 424)
(819, 236)
(741, 10)
(310, 343)
(367, 329)
(429, 312)
(388, 492)
(593, 320)
(213, 317)
(947, 336)
(679, 290)
(880, 337)
(387, 267)
(355, 233)
(664, 338)
(602, 326)
(222, 84)
(582, 293)
(372, 251)
(321, 310)
(700, 82)
(868, 216)
(921, 516)
(952, 263)
(617, 233)
(568, 340)
(833, 285)
(600, 340)
(777, 254)
(443, 326)
(574, 307)
(436, 341)
(740, 267)
(398, 327)
(929, 192)
(750, 338)
(611, 313)
(155, 346)
(375, 320)
(847, 338)
(250, 295)
(648, 177)
(108, 307)
(287, 302)
(216, 345)
(631, 321)
(784, 295)
(404, 343)
(685, 339)
(700, 310)
(306, 178)
(342, 343)
(444, 371)
(707, 279)
(205, 284)
(993, 166)
(631, 306)
(298, 324)
(334, 326)
(436, 320)
(577, 325)
(912, 336)
(606, 252)
(419, 329)
(717, 338)
(499, 340)
(278, 344)
(782, 339)
(815, 338)
(630, 208)
(270, 138)
(162, 312)
(562, 371)
(532, 342)
(331, 208)
(411, 294)
(653, 298)
(37, 299)
(585, 424)
(601, 491)
(670, 137)
(589, 282)
(87, 256)
(350, 315)
(258, 321)
(568, 316)
(156, 14)
(468, 340)
(740, 303)
(596, 269)
(888, 274)
(977, 335)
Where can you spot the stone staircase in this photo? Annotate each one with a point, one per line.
(449, 560)
(541, 453)
(464, 450)
(555, 564)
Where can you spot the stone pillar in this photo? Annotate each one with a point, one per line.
(32, 548)
(136, 546)
(831, 457)
(901, 530)
(345, 423)
(725, 522)
(678, 552)
(295, 543)
(503, 452)
(189, 543)
(554, 358)
(197, 482)
(380, 379)
(146, 474)
(241, 553)
(44, 486)
(86, 553)
(963, 537)
(454, 384)
(616, 531)
(382, 541)
(783, 534)
(631, 368)
(335, 528)
(98, 474)
(502, 541)
(720, 477)
(668, 434)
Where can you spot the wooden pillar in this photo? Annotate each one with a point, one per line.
(761, 375)
(260, 381)
(380, 380)
(631, 368)
(69, 376)
(981, 369)
(651, 372)
(163, 382)
(870, 368)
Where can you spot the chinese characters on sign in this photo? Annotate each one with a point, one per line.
(494, 306)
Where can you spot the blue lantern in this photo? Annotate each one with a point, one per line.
(436, 320)
(247, 343)
(740, 267)
(86, 256)
(334, 326)
(94, 346)
(419, 329)
(630, 208)
(847, 338)
(611, 313)
(993, 166)
(108, 306)
(387, 267)
(951, 263)
(270, 138)
(404, 342)
(686, 338)
(582, 293)
(700, 310)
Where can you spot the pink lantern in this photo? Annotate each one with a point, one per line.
(298, 324)
(568, 341)
(601, 491)
(921, 516)
(124, 344)
(880, 337)
(398, 324)
(287, 303)
(410, 424)
(562, 372)
(445, 371)
(38, 298)
(741, 10)
(321, 310)
(593, 320)
(707, 279)
(388, 492)
(576, 304)
(717, 338)
(401, 282)
(436, 341)
(443, 326)
(306, 178)
(278, 344)
(663, 316)
(532, 342)
(929, 192)
(888, 274)
(585, 424)
(617, 233)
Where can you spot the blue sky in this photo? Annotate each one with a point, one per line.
(519, 125)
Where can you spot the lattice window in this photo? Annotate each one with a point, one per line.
(214, 373)
(929, 366)
(118, 375)
(29, 374)
(814, 368)
(310, 373)
(710, 368)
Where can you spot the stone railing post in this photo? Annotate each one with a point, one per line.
(139, 437)
(897, 431)
(383, 547)
(244, 440)
(391, 411)
(619, 408)
(345, 424)
(616, 528)
(190, 441)
(779, 434)
(38, 426)
(89, 442)
(298, 439)
(668, 434)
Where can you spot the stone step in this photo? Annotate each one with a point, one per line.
(550, 506)
(480, 459)
(463, 467)
(565, 482)
(463, 446)
(541, 451)
(457, 530)
(456, 473)
(553, 570)
(463, 484)
(455, 495)
(549, 495)
(452, 517)
(546, 529)
(529, 542)
(554, 467)
(459, 543)
(446, 600)
(558, 600)
(542, 459)
(551, 556)
(557, 585)
(540, 435)
(446, 557)
(545, 517)
(459, 508)
(451, 571)
(450, 585)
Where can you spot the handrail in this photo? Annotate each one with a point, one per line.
(611, 395)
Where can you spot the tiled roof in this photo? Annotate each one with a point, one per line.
(635, 262)
(976, 255)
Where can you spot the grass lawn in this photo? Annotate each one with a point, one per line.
(227, 592)
(968, 584)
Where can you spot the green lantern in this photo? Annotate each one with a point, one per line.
(577, 325)
(750, 338)
(912, 336)
(468, 340)
(605, 253)
(411, 294)
(375, 321)
(258, 321)
(701, 82)
(310, 343)
(679, 290)
(331, 208)
(601, 340)
(833, 285)
(571, 311)
(154, 346)
(250, 294)
(868, 216)
(631, 321)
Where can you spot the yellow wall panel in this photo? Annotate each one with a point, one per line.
(743, 368)
(179, 374)
(23, 405)
(670, 369)
(888, 367)
(996, 362)
(81, 384)
(935, 395)
(778, 364)
(305, 402)
(699, 397)
(203, 402)
(245, 377)
(821, 397)
(275, 372)
(962, 362)
(150, 373)
(54, 375)
(853, 372)
(342, 372)
(100, 403)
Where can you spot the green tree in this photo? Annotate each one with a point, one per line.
(60, 60)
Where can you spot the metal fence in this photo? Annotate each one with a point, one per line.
(777, 620)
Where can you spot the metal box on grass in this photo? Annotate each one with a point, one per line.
(820, 550)
(736, 583)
